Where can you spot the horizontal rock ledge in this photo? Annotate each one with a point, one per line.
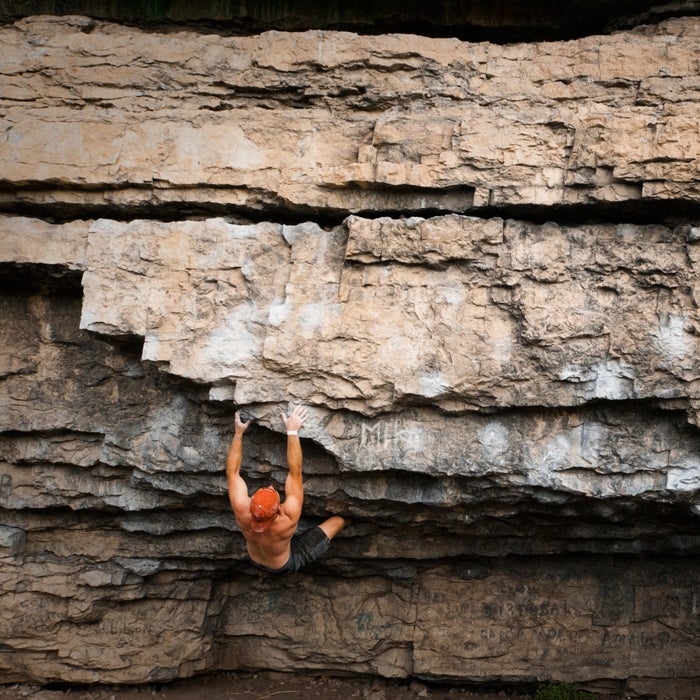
(458, 313)
(271, 118)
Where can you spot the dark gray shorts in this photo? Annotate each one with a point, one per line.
(306, 547)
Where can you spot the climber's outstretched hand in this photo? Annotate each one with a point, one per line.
(296, 418)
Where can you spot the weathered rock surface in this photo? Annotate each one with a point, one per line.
(332, 122)
(506, 406)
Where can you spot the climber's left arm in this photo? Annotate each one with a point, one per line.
(237, 489)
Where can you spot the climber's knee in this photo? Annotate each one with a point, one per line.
(332, 526)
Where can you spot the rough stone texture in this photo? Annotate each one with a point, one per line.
(330, 122)
(476, 264)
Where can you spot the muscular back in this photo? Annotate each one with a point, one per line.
(269, 548)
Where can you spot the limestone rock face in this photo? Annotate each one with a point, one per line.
(332, 122)
(477, 265)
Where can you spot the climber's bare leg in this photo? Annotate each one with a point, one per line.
(332, 526)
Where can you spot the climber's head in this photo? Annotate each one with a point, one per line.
(264, 506)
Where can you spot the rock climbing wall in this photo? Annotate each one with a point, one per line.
(476, 264)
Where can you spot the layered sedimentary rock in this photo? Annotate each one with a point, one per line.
(476, 264)
(336, 122)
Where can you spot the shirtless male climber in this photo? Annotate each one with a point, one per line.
(269, 526)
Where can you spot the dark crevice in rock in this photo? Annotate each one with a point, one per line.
(9, 436)
(36, 278)
(670, 212)
(263, 208)
(472, 567)
(128, 344)
(499, 21)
